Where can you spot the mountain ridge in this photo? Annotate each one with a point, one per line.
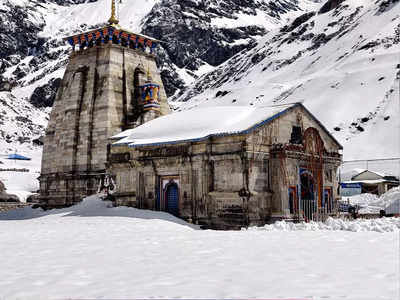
(341, 62)
(227, 52)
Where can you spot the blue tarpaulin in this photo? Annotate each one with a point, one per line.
(17, 157)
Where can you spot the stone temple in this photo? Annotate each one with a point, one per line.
(229, 167)
(220, 167)
(111, 84)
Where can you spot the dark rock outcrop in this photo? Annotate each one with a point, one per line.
(330, 5)
(45, 95)
(69, 2)
(190, 40)
(298, 21)
(6, 85)
(18, 33)
(387, 4)
(2, 187)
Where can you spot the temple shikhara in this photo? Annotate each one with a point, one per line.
(111, 84)
(221, 167)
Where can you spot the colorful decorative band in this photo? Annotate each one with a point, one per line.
(111, 33)
(153, 85)
(151, 106)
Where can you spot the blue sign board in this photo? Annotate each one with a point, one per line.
(350, 189)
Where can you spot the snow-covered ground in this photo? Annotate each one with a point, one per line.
(378, 225)
(370, 203)
(91, 251)
(391, 201)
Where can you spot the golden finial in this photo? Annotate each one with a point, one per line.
(113, 19)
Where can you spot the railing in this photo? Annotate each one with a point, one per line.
(309, 211)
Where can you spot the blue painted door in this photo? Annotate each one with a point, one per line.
(172, 195)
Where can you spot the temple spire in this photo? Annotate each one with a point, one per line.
(113, 19)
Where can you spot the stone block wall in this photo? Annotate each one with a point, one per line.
(94, 102)
(210, 178)
(4, 207)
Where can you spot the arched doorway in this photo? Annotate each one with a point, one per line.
(313, 185)
(172, 198)
(308, 201)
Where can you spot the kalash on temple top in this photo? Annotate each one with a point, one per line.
(114, 33)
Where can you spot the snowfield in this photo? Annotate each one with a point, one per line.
(92, 251)
(378, 225)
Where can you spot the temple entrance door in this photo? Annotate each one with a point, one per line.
(307, 202)
(170, 195)
(172, 199)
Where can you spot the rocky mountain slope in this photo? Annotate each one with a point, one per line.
(197, 35)
(339, 57)
(342, 61)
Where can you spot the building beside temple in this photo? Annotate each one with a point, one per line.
(229, 167)
(107, 88)
(222, 167)
(373, 182)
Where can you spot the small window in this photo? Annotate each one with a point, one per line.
(296, 137)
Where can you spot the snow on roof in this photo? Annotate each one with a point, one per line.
(368, 181)
(380, 174)
(200, 123)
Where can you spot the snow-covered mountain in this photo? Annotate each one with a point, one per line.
(197, 36)
(341, 61)
(339, 57)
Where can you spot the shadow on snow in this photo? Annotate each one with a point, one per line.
(93, 206)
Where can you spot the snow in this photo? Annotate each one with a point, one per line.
(391, 201)
(22, 184)
(90, 251)
(372, 204)
(367, 203)
(241, 19)
(367, 181)
(339, 83)
(262, 18)
(198, 124)
(358, 225)
(347, 175)
(68, 19)
(379, 174)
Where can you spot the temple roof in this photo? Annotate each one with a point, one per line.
(199, 124)
(115, 28)
(111, 30)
